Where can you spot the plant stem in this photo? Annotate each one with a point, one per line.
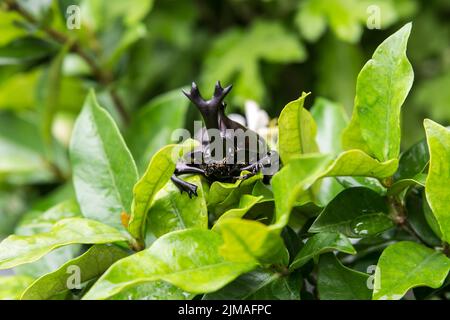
(397, 212)
(102, 76)
(446, 249)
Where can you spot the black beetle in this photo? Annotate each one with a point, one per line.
(227, 147)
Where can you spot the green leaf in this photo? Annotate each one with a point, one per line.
(310, 21)
(331, 121)
(436, 186)
(22, 152)
(297, 130)
(19, 82)
(407, 265)
(156, 290)
(337, 282)
(25, 51)
(415, 206)
(244, 286)
(404, 184)
(382, 87)
(9, 25)
(158, 173)
(245, 204)
(130, 36)
(49, 262)
(346, 18)
(17, 250)
(260, 284)
(49, 91)
(166, 114)
(102, 14)
(11, 287)
(251, 241)
(37, 221)
(236, 55)
(292, 181)
(319, 244)
(371, 183)
(188, 259)
(90, 265)
(341, 15)
(104, 171)
(13, 202)
(357, 163)
(282, 288)
(413, 161)
(327, 188)
(412, 164)
(172, 210)
(355, 212)
(430, 218)
(226, 196)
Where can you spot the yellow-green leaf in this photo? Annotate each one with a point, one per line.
(17, 250)
(436, 186)
(382, 87)
(188, 259)
(158, 173)
(297, 130)
(405, 265)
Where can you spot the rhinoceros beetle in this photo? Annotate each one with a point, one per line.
(228, 151)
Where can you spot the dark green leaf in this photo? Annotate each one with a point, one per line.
(355, 212)
(413, 161)
(260, 285)
(337, 282)
(319, 244)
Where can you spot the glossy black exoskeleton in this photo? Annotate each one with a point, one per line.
(227, 147)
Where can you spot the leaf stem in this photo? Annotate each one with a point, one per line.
(398, 214)
(102, 76)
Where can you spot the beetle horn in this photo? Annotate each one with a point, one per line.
(220, 93)
(195, 96)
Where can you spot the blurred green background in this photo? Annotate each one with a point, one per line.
(137, 54)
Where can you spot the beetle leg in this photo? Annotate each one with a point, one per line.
(190, 188)
(245, 176)
(183, 168)
(252, 168)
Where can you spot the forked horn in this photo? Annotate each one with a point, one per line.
(195, 96)
(209, 108)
